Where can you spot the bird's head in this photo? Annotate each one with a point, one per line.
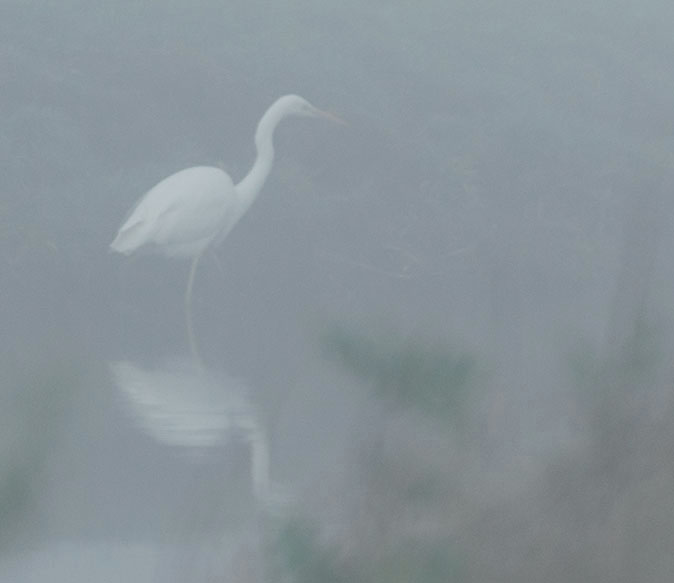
(296, 105)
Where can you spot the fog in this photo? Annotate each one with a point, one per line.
(438, 347)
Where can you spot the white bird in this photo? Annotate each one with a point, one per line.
(197, 207)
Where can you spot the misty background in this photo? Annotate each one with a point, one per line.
(453, 316)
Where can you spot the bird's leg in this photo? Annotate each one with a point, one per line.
(188, 311)
(217, 262)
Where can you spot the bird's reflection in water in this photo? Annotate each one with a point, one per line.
(181, 405)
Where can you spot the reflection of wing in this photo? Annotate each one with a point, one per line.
(183, 406)
(180, 406)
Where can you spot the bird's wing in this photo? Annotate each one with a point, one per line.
(183, 209)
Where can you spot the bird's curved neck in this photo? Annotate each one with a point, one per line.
(252, 183)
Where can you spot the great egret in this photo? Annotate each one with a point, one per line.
(197, 207)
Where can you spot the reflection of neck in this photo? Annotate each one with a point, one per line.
(259, 464)
(252, 183)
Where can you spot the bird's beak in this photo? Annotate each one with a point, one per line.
(330, 116)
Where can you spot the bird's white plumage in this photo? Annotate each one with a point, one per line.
(181, 215)
(197, 207)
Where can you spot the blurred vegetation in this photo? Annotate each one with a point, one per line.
(600, 506)
(299, 553)
(394, 528)
(35, 406)
(414, 374)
